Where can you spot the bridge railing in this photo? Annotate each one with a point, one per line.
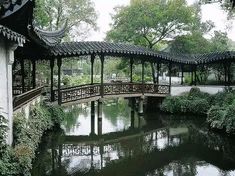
(26, 97)
(17, 90)
(90, 91)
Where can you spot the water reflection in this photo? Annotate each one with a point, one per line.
(130, 145)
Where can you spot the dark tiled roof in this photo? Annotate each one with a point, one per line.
(8, 7)
(11, 35)
(72, 49)
(49, 38)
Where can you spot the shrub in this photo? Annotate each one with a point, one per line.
(216, 116)
(186, 104)
(229, 120)
(27, 135)
(195, 93)
(56, 113)
(171, 104)
(199, 106)
(3, 134)
(66, 80)
(222, 118)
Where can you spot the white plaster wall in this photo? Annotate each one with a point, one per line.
(26, 108)
(178, 90)
(3, 79)
(6, 105)
(166, 79)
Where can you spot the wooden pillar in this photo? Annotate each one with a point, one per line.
(52, 80)
(99, 112)
(158, 71)
(131, 70)
(191, 75)
(225, 74)
(102, 76)
(195, 75)
(22, 75)
(60, 156)
(92, 118)
(92, 68)
(132, 119)
(59, 64)
(34, 74)
(170, 70)
(141, 106)
(92, 103)
(92, 157)
(182, 74)
(142, 62)
(229, 73)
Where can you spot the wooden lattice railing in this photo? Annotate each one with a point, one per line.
(90, 91)
(18, 90)
(26, 97)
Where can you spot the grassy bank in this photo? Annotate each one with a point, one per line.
(219, 108)
(17, 160)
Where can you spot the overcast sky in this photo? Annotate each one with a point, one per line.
(106, 7)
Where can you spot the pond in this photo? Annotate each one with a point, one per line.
(125, 144)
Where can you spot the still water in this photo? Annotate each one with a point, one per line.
(125, 144)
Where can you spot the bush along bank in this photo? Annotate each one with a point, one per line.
(219, 108)
(17, 160)
(194, 102)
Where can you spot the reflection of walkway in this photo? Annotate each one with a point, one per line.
(144, 151)
(81, 145)
(142, 164)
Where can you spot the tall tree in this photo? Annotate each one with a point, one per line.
(52, 14)
(149, 22)
(193, 43)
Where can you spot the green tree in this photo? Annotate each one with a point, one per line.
(220, 41)
(190, 44)
(80, 14)
(150, 22)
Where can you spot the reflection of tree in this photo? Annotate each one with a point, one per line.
(224, 173)
(184, 167)
(47, 156)
(117, 110)
(72, 114)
